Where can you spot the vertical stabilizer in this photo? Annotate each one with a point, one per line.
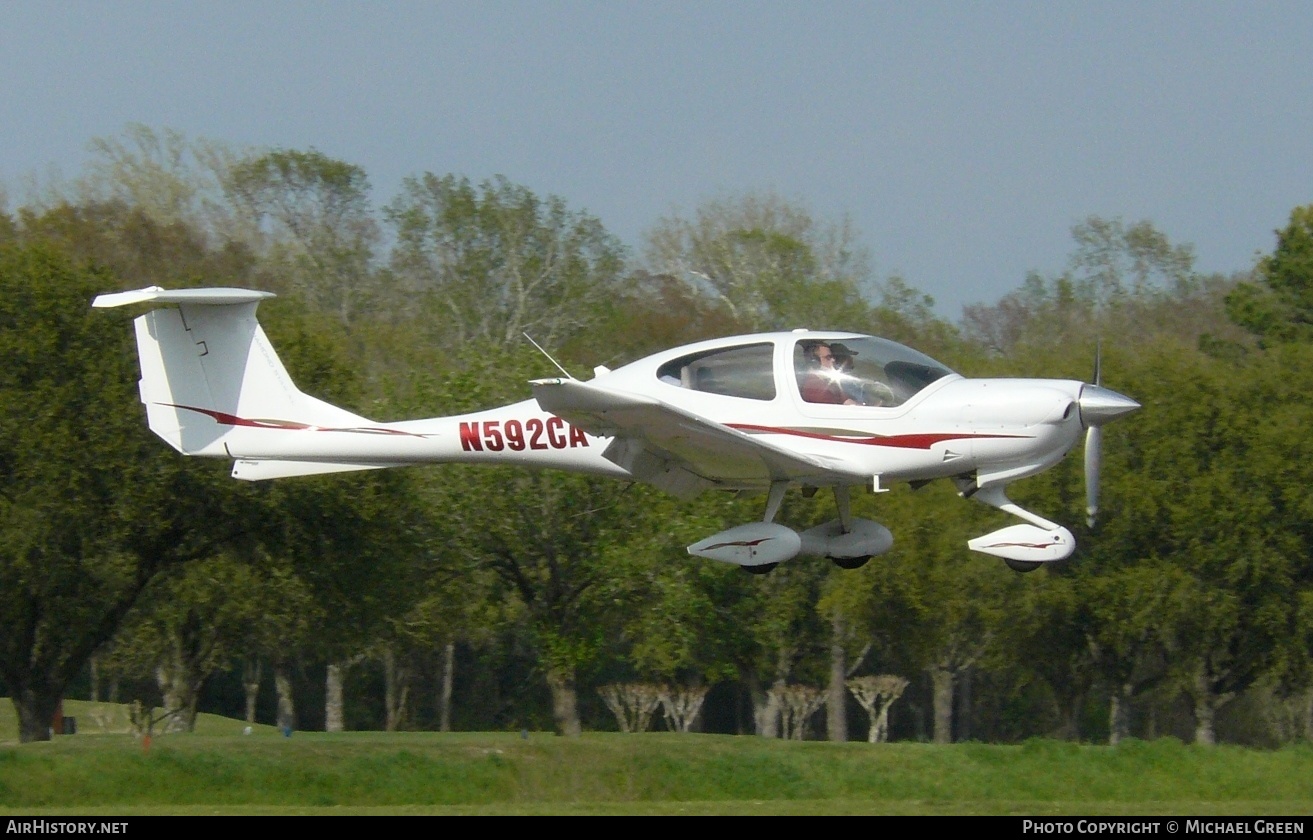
(207, 367)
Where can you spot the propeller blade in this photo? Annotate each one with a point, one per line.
(1093, 455)
(1098, 354)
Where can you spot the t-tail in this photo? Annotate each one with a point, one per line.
(213, 386)
(208, 372)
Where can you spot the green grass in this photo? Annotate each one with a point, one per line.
(218, 770)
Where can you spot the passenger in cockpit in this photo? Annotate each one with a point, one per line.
(848, 383)
(861, 390)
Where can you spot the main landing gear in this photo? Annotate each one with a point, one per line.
(759, 547)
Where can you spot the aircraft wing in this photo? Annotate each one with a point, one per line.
(676, 450)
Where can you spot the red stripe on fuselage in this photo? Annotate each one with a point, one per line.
(918, 441)
(285, 425)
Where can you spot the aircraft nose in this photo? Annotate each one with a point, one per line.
(1099, 405)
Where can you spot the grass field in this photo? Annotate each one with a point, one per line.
(104, 770)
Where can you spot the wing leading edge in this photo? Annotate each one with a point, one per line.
(676, 450)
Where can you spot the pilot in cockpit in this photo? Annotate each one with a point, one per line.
(821, 382)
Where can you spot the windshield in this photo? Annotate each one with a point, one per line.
(862, 371)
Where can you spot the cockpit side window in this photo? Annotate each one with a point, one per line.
(745, 371)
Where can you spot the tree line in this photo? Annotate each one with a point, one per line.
(457, 597)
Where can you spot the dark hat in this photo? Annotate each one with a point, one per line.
(842, 350)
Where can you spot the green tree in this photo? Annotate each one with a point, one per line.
(786, 641)
(1114, 261)
(1123, 283)
(134, 248)
(169, 178)
(474, 268)
(1042, 657)
(1129, 628)
(1278, 305)
(491, 262)
(767, 262)
(677, 629)
(543, 534)
(192, 621)
(92, 508)
(321, 232)
(1209, 491)
(353, 541)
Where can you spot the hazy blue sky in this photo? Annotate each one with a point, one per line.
(964, 139)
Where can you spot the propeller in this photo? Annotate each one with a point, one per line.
(1093, 449)
(1098, 405)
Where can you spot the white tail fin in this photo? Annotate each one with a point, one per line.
(207, 368)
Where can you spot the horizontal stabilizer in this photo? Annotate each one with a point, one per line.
(248, 470)
(156, 294)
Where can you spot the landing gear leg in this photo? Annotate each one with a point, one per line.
(1023, 547)
(843, 501)
(997, 497)
(774, 500)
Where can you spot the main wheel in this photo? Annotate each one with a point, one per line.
(1022, 565)
(850, 562)
(763, 569)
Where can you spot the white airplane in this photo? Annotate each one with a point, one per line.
(752, 413)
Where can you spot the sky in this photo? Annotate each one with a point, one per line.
(963, 140)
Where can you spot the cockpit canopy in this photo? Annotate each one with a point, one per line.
(864, 371)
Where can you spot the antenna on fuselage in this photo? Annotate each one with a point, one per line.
(548, 355)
